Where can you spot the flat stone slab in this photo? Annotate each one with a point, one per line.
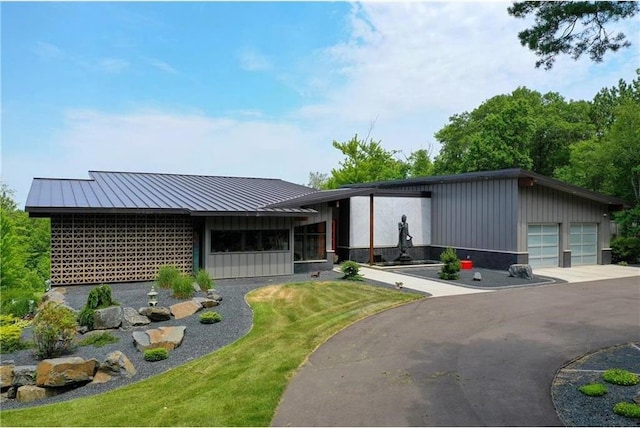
(206, 303)
(168, 338)
(131, 318)
(156, 313)
(185, 309)
(57, 372)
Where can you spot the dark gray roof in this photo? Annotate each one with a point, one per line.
(495, 175)
(148, 192)
(321, 196)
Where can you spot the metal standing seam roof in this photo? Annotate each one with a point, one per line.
(494, 175)
(194, 194)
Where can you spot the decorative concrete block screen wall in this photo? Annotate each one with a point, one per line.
(100, 248)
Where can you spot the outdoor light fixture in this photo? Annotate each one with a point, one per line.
(153, 296)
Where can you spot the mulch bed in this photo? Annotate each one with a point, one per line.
(492, 279)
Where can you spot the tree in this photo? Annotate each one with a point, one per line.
(318, 180)
(420, 164)
(572, 27)
(524, 129)
(365, 162)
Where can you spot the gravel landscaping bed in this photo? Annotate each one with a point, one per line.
(200, 339)
(577, 409)
(493, 279)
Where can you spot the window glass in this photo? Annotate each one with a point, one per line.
(225, 241)
(310, 242)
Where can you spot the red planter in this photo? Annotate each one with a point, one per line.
(466, 264)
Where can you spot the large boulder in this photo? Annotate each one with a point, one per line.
(131, 318)
(28, 393)
(185, 309)
(116, 364)
(56, 372)
(214, 296)
(163, 337)
(521, 271)
(6, 374)
(156, 313)
(105, 318)
(24, 375)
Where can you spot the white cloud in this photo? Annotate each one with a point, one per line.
(47, 51)
(161, 65)
(113, 65)
(251, 60)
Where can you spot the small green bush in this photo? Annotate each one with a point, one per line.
(54, 331)
(210, 317)
(18, 301)
(204, 280)
(11, 333)
(351, 270)
(166, 276)
(620, 377)
(100, 297)
(99, 340)
(86, 317)
(156, 354)
(625, 249)
(630, 410)
(182, 287)
(593, 389)
(451, 265)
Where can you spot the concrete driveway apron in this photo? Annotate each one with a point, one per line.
(469, 360)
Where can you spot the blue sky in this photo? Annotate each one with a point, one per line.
(254, 89)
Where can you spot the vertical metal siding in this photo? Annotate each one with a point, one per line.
(539, 204)
(248, 264)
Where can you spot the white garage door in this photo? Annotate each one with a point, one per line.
(542, 245)
(584, 244)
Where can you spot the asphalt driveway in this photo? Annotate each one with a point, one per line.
(471, 360)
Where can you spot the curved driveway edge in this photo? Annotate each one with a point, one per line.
(469, 360)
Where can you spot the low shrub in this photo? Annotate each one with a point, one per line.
(451, 265)
(156, 354)
(351, 270)
(18, 301)
(210, 317)
(54, 331)
(100, 297)
(593, 389)
(98, 340)
(204, 280)
(620, 377)
(625, 249)
(630, 410)
(182, 287)
(166, 276)
(11, 333)
(86, 317)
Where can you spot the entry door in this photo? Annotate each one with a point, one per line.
(584, 244)
(543, 245)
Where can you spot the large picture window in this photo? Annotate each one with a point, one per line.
(309, 242)
(225, 241)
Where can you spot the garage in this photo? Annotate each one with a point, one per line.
(542, 245)
(584, 244)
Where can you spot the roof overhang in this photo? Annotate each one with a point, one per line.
(326, 196)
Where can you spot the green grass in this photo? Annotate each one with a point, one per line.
(98, 340)
(240, 384)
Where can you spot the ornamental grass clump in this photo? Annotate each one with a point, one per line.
(351, 270)
(204, 280)
(166, 276)
(210, 317)
(54, 331)
(620, 377)
(156, 354)
(182, 287)
(630, 410)
(593, 389)
(451, 265)
(99, 340)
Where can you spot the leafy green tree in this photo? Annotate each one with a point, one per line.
(607, 100)
(524, 129)
(12, 254)
(572, 27)
(365, 162)
(420, 164)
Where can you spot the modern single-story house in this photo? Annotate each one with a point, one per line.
(122, 226)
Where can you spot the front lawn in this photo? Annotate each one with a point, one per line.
(240, 384)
